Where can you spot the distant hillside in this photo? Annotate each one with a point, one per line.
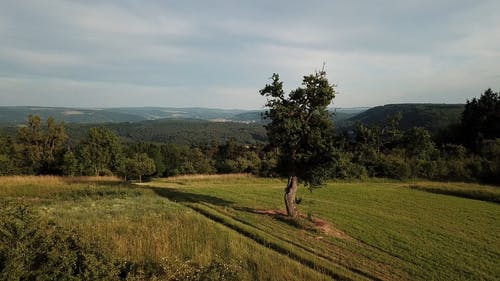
(14, 115)
(254, 116)
(198, 125)
(338, 114)
(434, 117)
(179, 131)
(153, 113)
(341, 114)
(19, 114)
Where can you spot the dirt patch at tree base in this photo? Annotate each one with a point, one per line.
(307, 222)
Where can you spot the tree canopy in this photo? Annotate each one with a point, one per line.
(41, 146)
(481, 119)
(301, 129)
(101, 150)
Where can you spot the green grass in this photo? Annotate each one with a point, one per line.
(466, 190)
(361, 231)
(143, 228)
(394, 232)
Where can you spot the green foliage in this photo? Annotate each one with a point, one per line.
(170, 269)
(9, 160)
(481, 119)
(301, 143)
(154, 151)
(490, 150)
(232, 157)
(41, 147)
(34, 249)
(229, 157)
(70, 165)
(387, 152)
(138, 166)
(268, 163)
(418, 144)
(184, 160)
(393, 166)
(301, 128)
(217, 269)
(100, 152)
(432, 117)
(187, 132)
(347, 168)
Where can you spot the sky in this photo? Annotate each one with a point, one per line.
(220, 53)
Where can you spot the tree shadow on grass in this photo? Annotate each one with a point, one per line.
(181, 196)
(301, 221)
(269, 212)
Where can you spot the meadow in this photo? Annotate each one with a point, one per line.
(233, 226)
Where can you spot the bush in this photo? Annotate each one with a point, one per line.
(423, 168)
(35, 249)
(214, 271)
(169, 269)
(393, 166)
(345, 168)
(490, 150)
(32, 248)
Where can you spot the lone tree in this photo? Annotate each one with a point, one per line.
(301, 130)
(138, 166)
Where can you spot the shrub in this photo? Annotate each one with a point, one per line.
(32, 248)
(490, 151)
(345, 168)
(214, 271)
(35, 249)
(393, 166)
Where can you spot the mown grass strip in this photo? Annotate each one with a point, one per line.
(489, 194)
(310, 260)
(289, 241)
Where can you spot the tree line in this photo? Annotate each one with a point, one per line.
(469, 151)
(43, 148)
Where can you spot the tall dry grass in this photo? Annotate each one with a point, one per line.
(209, 176)
(53, 180)
(36, 186)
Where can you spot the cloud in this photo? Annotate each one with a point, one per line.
(43, 58)
(111, 19)
(220, 53)
(66, 92)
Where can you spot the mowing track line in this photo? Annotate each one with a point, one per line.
(346, 274)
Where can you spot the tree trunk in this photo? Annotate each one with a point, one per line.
(290, 192)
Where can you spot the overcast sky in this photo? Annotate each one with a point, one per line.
(220, 53)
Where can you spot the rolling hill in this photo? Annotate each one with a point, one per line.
(14, 115)
(199, 125)
(433, 117)
(185, 131)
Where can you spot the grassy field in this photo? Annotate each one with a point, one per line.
(347, 231)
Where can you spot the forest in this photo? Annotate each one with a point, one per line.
(467, 150)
